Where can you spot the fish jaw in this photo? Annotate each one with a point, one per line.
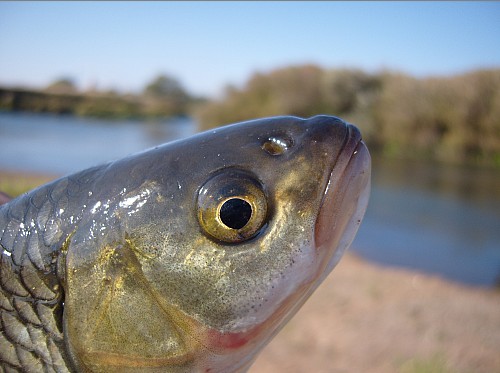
(344, 203)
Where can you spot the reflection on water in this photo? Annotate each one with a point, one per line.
(475, 185)
(439, 219)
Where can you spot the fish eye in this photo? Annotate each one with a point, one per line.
(232, 206)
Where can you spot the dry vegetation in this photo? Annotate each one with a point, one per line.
(162, 98)
(453, 119)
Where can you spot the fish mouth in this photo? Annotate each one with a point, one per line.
(344, 201)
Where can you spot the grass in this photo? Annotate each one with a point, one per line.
(434, 364)
(16, 183)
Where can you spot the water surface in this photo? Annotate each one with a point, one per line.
(435, 218)
(62, 144)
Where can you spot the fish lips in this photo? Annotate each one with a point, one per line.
(344, 201)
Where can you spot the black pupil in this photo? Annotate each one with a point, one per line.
(235, 213)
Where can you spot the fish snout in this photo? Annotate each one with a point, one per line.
(344, 201)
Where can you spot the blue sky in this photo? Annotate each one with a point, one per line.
(206, 45)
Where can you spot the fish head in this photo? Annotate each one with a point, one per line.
(215, 242)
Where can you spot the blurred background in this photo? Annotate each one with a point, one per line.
(86, 82)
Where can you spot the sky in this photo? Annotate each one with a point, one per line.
(209, 45)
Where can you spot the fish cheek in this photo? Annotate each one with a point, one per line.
(114, 319)
(265, 270)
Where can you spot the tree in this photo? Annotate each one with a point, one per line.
(165, 96)
(63, 85)
(164, 86)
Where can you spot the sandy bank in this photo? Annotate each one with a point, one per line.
(367, 318)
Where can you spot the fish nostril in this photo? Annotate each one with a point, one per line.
(277, 145)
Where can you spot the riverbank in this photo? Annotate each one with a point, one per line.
(14, 183)
(369, 318)
(104, 105)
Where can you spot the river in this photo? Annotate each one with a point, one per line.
(443, 220)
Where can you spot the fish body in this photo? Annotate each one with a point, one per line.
(188, 257)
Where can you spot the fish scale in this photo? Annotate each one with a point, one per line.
(31, 339)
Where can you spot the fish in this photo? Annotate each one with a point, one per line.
(187, 257)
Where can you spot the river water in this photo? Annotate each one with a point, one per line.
(443, 220)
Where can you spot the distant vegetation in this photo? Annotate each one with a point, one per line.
(162, 97)
(452, 119)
